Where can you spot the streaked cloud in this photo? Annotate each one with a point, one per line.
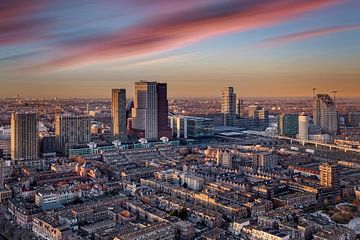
(18, 21)
(300, 36)
(175, 30)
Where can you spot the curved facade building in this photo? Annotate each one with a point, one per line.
(303, 127)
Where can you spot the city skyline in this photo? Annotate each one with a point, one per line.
(259, 48)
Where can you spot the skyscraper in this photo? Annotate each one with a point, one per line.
(150, 112)
(24, 136)
(329, 175)
(303, 127)
(240, 108)
(70, 131)
(324, 113)
(288, 125)
(118, 113)
(228, 106)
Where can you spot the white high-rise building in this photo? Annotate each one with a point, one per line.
(150, 112)
(303, 127)
(324, 113)
(145, 111)
(228, 106)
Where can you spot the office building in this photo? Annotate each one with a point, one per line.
(288, 125)
(228, 106)
(191, 127)
(70, 131)
(258, 118)
(118, 113)
(150, 112)
(24, 136)
(324, 113)
(240, 108)
(329, 175)
(303, 127)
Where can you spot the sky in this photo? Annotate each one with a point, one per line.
(83, 48)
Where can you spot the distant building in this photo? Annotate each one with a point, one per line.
(191, 127)
(330, 175)
(320, 138)
(303, 127)
(224, 158)
(324, 113)
(192, 182)
(150, 112)
(70, 131)
(288, 125)
(240, 108)
(353, 119)
(258, 118)
(24, 136)
(228, 106)
(164, 231)
(118, 113)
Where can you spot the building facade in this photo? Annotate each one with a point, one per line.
(288, 125)
(240, 108)
(24, 136)
(228, 106)
(191, 127)
(324, 113)
(118, 113)
(150, 112)
(258, 118)
(303, 127)
(70, 131)
(329, 175)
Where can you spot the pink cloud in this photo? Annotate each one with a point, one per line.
(300, 36)
(176, 30)
(15, 24)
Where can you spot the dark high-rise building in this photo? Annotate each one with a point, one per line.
(164, 129)
(24, 136)
(118, 112)
(228, 106)
(48, 146)
(150, 112)
(240, 108)
(288, 125)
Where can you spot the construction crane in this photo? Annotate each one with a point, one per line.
(313, 92)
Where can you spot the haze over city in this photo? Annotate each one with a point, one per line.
(67, 49)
